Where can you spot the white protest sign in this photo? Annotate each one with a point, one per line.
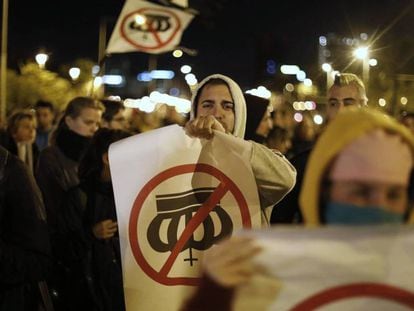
(332, 268)
(176, 196)
(148, 27)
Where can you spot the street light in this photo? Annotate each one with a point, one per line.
(74, 73)
(41, 59)
(362, 53)
(329, 78)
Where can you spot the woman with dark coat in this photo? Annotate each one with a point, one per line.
(24, 244)
(101, 220)
(57, 177)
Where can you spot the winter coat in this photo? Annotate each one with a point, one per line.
(24, 243)
(105, 254)
(57, 176)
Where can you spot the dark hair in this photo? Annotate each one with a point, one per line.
(112, 107)
(256, 108)
(91, 165)
(213, 81)
(44, 104)
(15, 118)
(279, 133)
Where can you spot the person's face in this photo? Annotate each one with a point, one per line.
(44, 117)
(26, 131)
(216, 100)
(265, 125)
(119, 121)
(340, 97)
(87, 123)
(388, 196)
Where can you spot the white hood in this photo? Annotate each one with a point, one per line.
(239, 103)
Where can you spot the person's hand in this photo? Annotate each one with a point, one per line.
(230, 262)
(105, 229)
(202, 127)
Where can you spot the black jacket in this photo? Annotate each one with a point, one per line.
(24, 242)
(57, 176)
(105, 254)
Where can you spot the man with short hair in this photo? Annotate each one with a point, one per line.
(219, 104)
(45, 115)
(347, 90)
(114, 115)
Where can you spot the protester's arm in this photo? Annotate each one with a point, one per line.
(24, 242)
(225, 267)
(274, 175)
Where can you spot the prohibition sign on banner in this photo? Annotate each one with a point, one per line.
(362, 290)
(226, 184)
(160, 41)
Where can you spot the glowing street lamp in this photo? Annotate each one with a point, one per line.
(362, 53)
(177, 53)
(329, 78)
(327, 67)
(41, 59)
(74, 73)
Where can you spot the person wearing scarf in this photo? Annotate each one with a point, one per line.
(57, 177)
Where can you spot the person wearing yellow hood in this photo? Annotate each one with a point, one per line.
(359, 171)
(358, 174)
(219, 104)
(347, 90)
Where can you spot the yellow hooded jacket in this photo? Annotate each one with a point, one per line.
(348, 125)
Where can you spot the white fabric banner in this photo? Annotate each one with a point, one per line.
(332, 268)
(147, 27)
(175, 197)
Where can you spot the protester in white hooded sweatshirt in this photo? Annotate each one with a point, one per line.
(218, 104)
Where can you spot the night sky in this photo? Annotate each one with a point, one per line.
(234, 37)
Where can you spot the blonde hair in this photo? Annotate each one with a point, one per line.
(345, 79)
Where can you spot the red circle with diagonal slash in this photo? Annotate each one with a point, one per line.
(153, 32)
(226, 184)
(356, 290)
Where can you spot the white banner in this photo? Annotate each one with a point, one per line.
(147, 27)
(332, 268)
(175, 197)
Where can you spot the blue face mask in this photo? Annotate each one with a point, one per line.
(348, 214)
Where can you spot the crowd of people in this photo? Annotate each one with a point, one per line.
(59, 243)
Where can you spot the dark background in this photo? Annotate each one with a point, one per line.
(234, 37)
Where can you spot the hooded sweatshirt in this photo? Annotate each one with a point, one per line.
(349, 125)
(274, 174)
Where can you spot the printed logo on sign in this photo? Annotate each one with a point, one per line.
(150, 28)
(172, 208)
(168, 231)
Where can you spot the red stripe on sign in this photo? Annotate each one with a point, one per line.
(372, 290)
(192, 225)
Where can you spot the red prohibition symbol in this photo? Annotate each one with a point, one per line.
(226, 185)
(356, 290)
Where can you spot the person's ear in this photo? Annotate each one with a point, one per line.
(69, 122)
